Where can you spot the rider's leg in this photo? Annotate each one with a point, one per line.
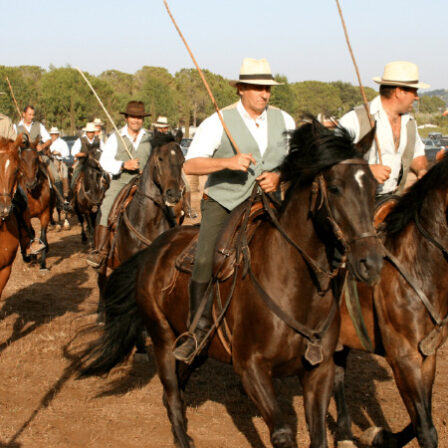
(214, 217)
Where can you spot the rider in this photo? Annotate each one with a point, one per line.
(99, 130)
(60, 151)
(259, 131)
(88, 144)
(400, 144)
(20, 199)
(116, 161)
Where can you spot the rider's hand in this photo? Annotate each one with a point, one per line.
(380, 172)
(269, 181)
(131, 165)
(240, 162)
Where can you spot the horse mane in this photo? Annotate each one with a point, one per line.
(314, 148)
(5, 142)
(411, 202)
(160, 139)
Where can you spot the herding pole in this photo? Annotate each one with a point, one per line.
(106, 112)
(363, 93)
(226, 129)
(13, 97)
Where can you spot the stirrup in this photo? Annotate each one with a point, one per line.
(39, 249)
(185, 337)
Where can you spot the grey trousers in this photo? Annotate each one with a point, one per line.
(214, 217)
(112, 192)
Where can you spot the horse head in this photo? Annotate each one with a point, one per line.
(342, 194)
(164, 168)
(9, 169)
(96, 181)
(29, 164)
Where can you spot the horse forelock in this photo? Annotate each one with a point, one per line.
(314, 148)
(160, 139)
(422, 191)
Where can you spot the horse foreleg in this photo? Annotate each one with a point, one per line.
(344, 433)
(317, 388)
(163, 340)
(81, 222)
(5, 272)
(415, 379)
(257, 383)
(44, 221)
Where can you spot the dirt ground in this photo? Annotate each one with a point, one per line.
(42, 405)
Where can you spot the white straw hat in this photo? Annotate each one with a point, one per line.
(90, 127)
(401, 73)
(54, 130)
(162, 122)
(255, 71)
(98, 122)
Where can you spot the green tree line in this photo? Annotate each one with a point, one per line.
(62, 98)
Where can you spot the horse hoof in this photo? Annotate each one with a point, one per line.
(282, 438)
(378, 437)
(346, 444)
(140, 357)
(58, 228)
(66, 225)
(44, 269)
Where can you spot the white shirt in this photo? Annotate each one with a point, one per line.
(209, 134)
(43, 132)
(108, 160)
(60, 146)
(76, 148)
(391, 158)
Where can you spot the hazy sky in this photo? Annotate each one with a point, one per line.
(302, 40)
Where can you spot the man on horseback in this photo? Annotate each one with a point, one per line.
(259, 131)
(59, 151)
(20, 200)
(87, 145)
(116, 161)
(400, 144)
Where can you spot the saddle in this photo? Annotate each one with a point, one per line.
(227, 249)
(122, 201)
(382, 209)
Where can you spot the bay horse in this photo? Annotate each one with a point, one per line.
(406, 311)
(88, 195)
(41, 198)
(159, 187)
(9, 231)
(328, 208)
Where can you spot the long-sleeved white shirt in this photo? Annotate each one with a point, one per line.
(60, 146)
(209, 134)
(108, 160)
(43, 132)
(78, 145)
(391, 158)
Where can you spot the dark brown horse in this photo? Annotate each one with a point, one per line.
(89, 192)
(149, 214)
(40, 196)
(401, 327)
(9, 232)
(327, 210)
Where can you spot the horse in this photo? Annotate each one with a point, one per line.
(159, 187)
(41, 198)
(327, 210)
(9, 231)
(89, 192)
(405, 313)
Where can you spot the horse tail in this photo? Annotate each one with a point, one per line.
(123, 323)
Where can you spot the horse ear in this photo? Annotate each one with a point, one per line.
(18, 141)
(366, 142)
(178, 136)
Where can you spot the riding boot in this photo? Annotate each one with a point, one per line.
(23, 218)
(65, 188)
(187, 350)
(98, 256)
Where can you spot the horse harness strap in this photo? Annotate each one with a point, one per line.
(129, 225)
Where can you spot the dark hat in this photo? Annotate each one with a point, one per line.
(135, 109)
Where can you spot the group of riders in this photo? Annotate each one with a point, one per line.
(259, 130)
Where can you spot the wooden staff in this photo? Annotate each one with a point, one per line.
(363, 93)
(13, 98)
(226, 129)
(106, 112)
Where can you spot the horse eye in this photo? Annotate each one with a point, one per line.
(160, 159)
(334, 189)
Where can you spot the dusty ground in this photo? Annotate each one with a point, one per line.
(41, 405)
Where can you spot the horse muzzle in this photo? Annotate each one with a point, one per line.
(365, 260)
(172, 197)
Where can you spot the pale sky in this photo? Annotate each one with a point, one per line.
(302, 40)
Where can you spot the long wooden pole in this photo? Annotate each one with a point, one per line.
(363, 93)
(14, 98)
(106, 112)
(226, 129)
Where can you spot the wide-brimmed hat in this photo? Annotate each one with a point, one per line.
(135, 109)
(98, 122)
(162, 122)
(401, 74)
(255, 71)
(54, 130)
(90, 127)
